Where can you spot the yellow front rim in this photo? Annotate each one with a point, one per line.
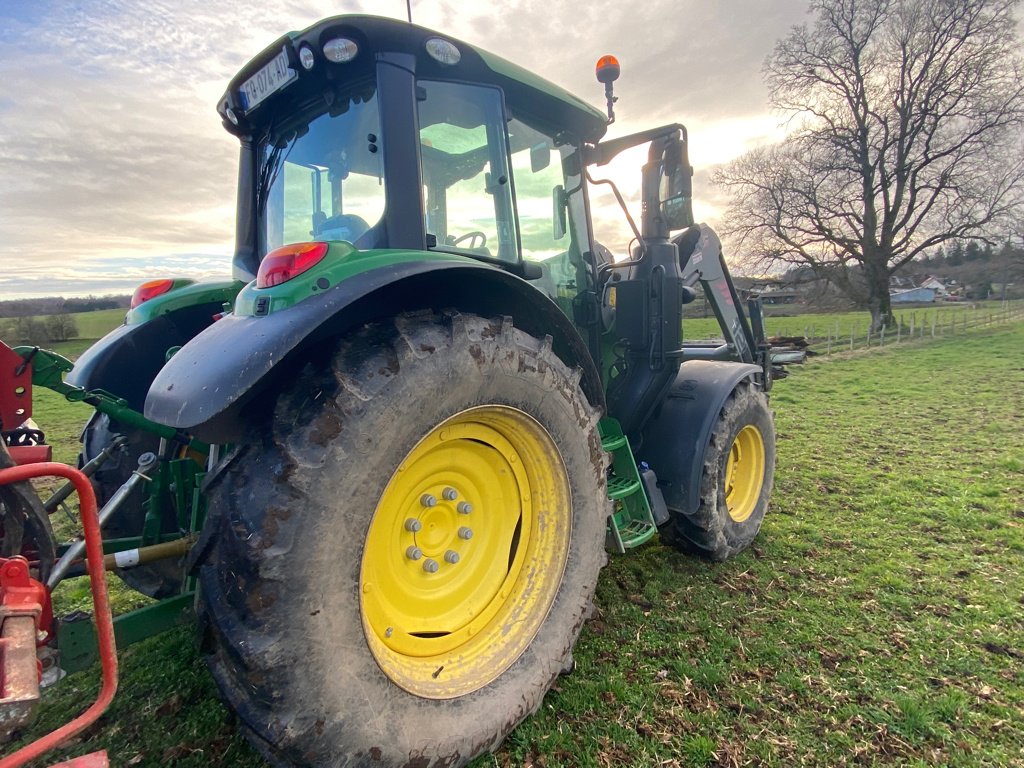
(744, 473)
(465, 552)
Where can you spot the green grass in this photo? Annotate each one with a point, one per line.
(91, 325)
(877, 620)
(789, 320)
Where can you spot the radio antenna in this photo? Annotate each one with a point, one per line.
(408, 7)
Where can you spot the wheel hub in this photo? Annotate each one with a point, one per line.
(744, 473)
(465, 552)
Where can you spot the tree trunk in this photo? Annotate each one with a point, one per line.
(877, 274)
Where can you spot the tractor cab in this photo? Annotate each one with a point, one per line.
(385, 135)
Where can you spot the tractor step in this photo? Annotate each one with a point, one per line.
(631, 523)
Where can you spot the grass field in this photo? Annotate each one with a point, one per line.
(877, 620)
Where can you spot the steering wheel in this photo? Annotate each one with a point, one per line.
(472, 237)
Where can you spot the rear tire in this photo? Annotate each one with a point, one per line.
(736, 482)
(327, 635)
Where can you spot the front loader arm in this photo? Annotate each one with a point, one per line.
(700, 253)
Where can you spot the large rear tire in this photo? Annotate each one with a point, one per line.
(736, 481)
(358, 612)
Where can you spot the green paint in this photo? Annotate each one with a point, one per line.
(631, 524)
(342, 262)
(77, 639)
(512, 71)
(185, 293)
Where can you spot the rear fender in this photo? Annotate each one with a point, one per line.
(676, 438)
(126, 360)
(205, 387)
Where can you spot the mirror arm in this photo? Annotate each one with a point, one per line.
(603, 153)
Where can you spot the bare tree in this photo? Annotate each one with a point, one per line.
(907, 120)
(61, 327)
(30, 330)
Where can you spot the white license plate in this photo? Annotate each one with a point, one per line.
(270, 79)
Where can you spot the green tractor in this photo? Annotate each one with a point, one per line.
(398, 444)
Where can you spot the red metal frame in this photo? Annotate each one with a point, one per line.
(103, 618)
(30, 454)
(15, 389)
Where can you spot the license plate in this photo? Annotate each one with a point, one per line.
(270, 79)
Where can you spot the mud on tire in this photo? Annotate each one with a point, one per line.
(722, 527)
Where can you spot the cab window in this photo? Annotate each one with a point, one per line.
(466, 180)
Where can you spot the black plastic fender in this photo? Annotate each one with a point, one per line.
(676, 438)
(204, 387)
(126, 360)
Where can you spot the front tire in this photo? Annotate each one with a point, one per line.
(352, 620)
(736, 481)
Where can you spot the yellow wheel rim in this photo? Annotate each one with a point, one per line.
(465, 552)
(744, 473)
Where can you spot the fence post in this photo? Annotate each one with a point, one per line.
(851, 336)
(899, 329)
(868, 341)
(828, 343)
(936, 314)
(883, 334)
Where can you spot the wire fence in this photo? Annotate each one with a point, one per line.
(826, 336)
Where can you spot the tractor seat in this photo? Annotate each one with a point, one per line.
(347, 227)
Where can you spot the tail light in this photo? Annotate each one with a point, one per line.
(288, 261)
(150, 290)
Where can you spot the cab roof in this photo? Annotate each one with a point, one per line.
(525, 92)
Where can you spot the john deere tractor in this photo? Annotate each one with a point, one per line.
(400, 441)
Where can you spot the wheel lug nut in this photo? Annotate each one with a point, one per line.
(413, 525)
(430, 565)
(450, 494)
(428, 500)
(464, 507)
(451, 556)
(414, 553)
(465, 533)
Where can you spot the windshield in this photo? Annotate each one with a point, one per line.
(328, 182)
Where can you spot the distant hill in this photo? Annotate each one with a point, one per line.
(55, 305)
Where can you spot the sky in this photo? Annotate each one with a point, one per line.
(114, 167)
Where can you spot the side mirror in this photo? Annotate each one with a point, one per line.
(676, 187)
(540, 157)
(559, 202)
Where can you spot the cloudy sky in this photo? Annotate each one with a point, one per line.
(114, 168)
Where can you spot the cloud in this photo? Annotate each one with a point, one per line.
(115, 166)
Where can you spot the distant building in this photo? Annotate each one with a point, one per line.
(908, 295)
(936, 284)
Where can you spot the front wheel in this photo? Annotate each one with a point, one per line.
(409, 548)
(736, 480)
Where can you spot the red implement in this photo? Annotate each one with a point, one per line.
(15, 389)
(25, 598)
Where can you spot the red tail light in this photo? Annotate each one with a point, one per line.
(149, 290)
(288, 261)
